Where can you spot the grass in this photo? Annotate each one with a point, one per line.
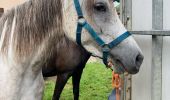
(95, 84)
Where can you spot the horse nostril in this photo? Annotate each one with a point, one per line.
(139, 60)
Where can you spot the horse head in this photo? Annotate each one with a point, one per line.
(101, 32)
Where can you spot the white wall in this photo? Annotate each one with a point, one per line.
(142, 20)
(166, 54)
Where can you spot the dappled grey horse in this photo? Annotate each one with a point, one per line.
(34, 33)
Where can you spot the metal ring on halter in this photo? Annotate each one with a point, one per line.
(81, 21)
(105, 48)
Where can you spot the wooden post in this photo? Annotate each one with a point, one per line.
(126, 16)
(1, 11)
(157, 43)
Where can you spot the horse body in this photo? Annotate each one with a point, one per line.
(32, 34)
(69, 63)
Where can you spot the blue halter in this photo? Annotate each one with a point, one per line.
(82, 23)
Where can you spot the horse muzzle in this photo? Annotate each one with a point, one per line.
(128, 59)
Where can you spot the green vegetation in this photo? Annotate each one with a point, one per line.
(95, 84)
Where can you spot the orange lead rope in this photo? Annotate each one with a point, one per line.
(116, 83)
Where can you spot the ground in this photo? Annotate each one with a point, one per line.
(95, 84)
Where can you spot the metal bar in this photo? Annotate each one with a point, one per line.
(157, 43)
(154, 32)
(128, 14)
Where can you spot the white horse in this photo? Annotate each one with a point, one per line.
(33, 32)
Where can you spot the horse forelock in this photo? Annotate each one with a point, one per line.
(29, 24)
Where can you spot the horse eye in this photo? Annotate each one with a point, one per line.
(100, 7)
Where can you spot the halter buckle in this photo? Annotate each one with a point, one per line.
(105, 49)
(82, 21)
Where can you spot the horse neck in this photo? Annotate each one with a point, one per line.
(35, 21)
(70, 55)
(48, 13)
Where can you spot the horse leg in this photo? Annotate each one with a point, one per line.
(76, 76)
(60, 83)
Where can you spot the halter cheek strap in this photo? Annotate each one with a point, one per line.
(82, 23)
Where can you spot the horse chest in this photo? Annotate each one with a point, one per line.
(17, 83)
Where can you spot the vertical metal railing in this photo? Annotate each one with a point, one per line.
(157, 43)
(157, 34)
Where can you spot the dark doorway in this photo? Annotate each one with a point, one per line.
(1, 11)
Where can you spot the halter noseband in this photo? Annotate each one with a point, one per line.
(82, 23)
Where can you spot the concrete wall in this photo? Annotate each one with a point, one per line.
(166, 54)
(142, 20)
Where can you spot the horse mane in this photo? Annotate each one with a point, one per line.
(26, 26)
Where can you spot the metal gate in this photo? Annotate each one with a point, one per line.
(149, 20)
